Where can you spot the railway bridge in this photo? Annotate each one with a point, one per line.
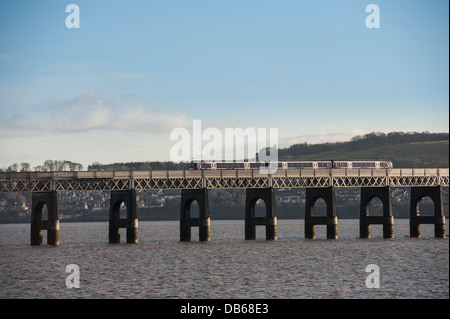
(194, 185)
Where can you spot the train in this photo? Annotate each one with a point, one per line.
(211, 165)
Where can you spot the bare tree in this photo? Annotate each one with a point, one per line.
(13, 168)
(25, 167)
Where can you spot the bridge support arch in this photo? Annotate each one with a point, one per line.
(49, 199)
(203, 220)
(130, 222)
(387, 220)
(252, 195)
(438, 219)
(330, 220)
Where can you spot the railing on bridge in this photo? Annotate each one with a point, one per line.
(188, 179)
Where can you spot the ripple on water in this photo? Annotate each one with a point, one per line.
(160, 266)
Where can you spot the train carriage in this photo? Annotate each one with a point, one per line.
(205, 165)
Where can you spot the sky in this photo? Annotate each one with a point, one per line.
(114, 89)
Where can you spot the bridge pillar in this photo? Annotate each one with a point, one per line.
(115, 222)
(50, 199)
(203, 220)
(330, 220)
(251, 221)
(438, 219)
(387, 220)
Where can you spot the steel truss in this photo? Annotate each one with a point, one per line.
(147, 180)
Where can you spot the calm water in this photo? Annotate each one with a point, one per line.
(160, 266)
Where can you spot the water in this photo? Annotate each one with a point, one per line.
(160, 266)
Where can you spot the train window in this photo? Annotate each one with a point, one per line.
(206, 165)
(341, 164)
(280, 165)
(309, 165)
(254, 165)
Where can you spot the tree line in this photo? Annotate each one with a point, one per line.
(47, 166)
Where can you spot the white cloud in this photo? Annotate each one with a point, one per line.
(91, 111)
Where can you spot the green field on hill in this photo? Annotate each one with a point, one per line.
(430, 154)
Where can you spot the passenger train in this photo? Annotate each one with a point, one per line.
(290, 165)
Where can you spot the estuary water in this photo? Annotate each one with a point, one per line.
(160, 266)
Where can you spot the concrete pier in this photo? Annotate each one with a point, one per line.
(330, 220)
(438, 218)
(365, 220)
(130, 222)
(252, 195)
(202, 221)
(49, 199)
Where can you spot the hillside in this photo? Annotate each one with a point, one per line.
(405, 150)
(405, 155)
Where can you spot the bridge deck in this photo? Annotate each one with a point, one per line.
(188, 179)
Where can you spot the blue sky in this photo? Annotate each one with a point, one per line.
(114, 89)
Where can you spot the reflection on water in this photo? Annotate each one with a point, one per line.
(160, 266)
